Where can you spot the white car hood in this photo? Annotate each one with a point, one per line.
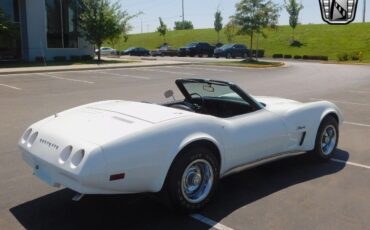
(103, 122)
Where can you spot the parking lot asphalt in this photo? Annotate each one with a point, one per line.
(295, 193)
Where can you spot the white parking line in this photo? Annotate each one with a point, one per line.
(124, 75)
(67, 79)
(164, 71)
(357, 124)
(198, 68)
(343, 102)
(358, 91)
(350, 163)
(10, 86)
(210, 222)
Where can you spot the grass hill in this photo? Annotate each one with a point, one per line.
(317, 39)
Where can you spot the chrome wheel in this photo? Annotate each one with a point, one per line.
(197, 181)
(328, 140)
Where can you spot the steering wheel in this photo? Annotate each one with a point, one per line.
(197, 106)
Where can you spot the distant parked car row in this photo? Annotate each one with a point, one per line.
(192, 49)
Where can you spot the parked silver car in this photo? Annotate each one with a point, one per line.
(106, 51)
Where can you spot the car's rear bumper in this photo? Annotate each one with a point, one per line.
(57, 177)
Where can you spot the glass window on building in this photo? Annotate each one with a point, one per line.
(10, 47)
(62, 23)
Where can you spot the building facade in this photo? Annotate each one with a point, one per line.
(48, 28)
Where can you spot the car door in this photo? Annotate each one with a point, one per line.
(243, 50)
(236, 51)
(254, 136)
(240, 50)
(201, 49)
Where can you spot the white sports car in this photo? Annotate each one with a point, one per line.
(181, 148)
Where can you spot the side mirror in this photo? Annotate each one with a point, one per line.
(168, 94)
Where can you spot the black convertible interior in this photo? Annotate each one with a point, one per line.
(211, 97)
(214, 107)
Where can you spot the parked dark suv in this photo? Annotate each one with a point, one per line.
(232, 51)
(197, 48)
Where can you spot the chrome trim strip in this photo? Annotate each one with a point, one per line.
(259, 162)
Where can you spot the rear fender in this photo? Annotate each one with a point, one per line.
(171, 156)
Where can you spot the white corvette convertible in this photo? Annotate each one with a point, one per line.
(181, 148)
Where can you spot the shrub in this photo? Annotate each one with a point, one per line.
(60, 58)
(296, 43)
(39, 59)
(360, 56)
(277, 56)
(314, 57)
(356, 56)
(287, 56)
(297, 57)
(184, 25)
(75, 58)
(86, 58)
(343, 57)
(305, 57)
(259, 54)
(324, 58)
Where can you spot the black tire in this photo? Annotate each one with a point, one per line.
(174, 187)
(328, 122)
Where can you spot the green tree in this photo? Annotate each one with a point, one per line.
(126, 28)
(162, 29)
(101, 20)
(218, 24)
(293, 8)
(230, 31)
(252, 16)
(184, 25)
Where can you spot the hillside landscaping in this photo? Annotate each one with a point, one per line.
(314, 40)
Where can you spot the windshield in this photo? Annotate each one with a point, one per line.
(227, 46)
(211, 90)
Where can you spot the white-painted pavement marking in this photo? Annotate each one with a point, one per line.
(343, 102)
(350, 163)
(124, 75)
(210, 222)
(67, 79)
(357, 124)
(358, 91)
(11, 87)
(164, 71)
(199, 68)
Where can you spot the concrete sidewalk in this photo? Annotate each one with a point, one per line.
(40, 69)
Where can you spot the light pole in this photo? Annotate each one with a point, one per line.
(141, 25)
(364, 12)
(183, 12)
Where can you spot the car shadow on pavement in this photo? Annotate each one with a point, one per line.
(58, 211)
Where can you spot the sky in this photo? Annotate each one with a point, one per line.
(201, 12)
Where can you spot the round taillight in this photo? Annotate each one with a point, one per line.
(26, 135)
(77, 158)
(32, 139)
(65, 154)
